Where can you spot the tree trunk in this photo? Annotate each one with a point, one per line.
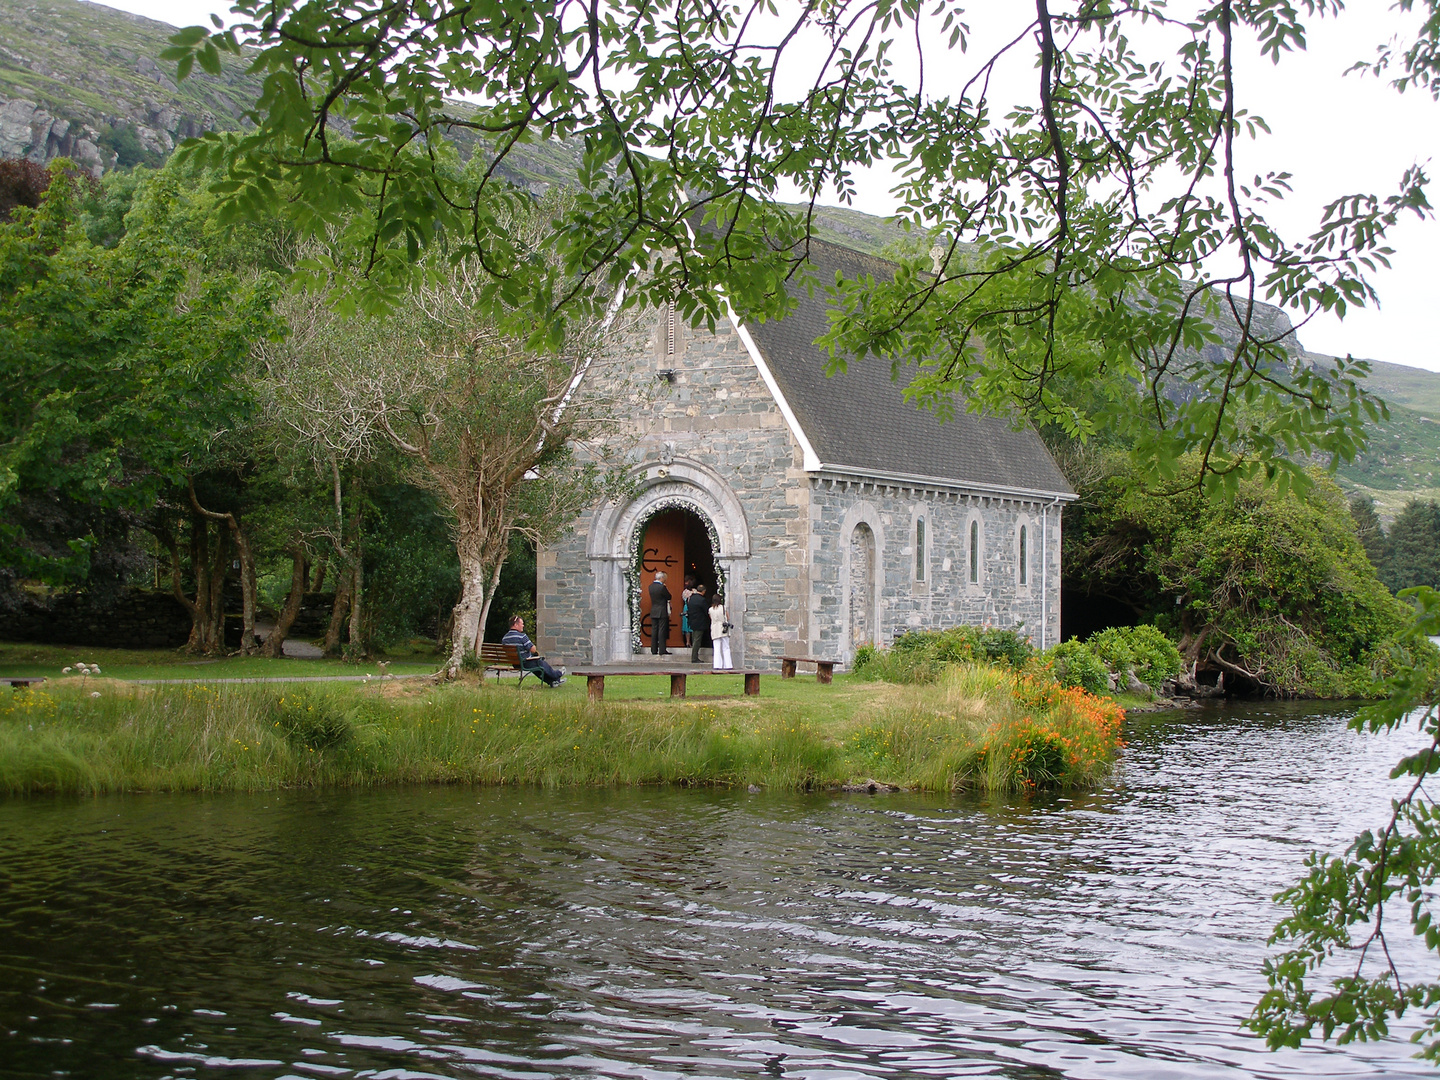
(489, 599)
(202, 616)
(218, 565)
(275, 643)
(248, 591)
(358, 648)
(247, 574)
(337, 616)
(320, 568)
(167, 537)
(466, 625)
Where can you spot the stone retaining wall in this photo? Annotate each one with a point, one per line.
(135, 620)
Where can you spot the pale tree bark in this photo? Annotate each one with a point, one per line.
(481, 412)
(358, 647)
(350, 593)
(499, 565)
(467, 625)
(480, 537)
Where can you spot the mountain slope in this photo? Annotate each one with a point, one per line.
(1414, 388)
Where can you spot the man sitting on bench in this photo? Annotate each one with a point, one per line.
(525, 649)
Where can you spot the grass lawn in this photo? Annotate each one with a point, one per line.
(977, 727)
(48, 660)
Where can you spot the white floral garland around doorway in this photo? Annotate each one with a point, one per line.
(632, 572)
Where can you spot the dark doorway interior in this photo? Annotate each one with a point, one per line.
(699, 558)
(677, 542)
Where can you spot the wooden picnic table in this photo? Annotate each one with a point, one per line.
(21, 682)
(595, 678)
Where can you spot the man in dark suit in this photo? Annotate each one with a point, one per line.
(659, 616)
(698, 608)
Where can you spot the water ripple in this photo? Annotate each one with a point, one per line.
(654, 934)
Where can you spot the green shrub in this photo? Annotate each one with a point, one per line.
(958, 645)
(1077, 665)
(1141, 649)
(1006, 647)
(917, 666)
(919, 656)
(312, 721)
(915, 641)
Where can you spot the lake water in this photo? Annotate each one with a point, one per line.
(462, 932)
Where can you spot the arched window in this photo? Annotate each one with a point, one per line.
(1024, 558)
(974, 551)
(920, 549)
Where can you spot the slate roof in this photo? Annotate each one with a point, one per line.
(860, 420)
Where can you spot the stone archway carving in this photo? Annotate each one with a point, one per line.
(614, 534)
(860, 520)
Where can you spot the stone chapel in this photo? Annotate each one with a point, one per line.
(829, 511)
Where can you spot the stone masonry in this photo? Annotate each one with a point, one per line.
(716, 441)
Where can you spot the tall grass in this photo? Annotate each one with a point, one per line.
(977, 727)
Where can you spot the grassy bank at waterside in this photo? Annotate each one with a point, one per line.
(979, 727)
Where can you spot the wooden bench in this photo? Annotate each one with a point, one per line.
(500, 658)
(824, 669)
(22, 682)
(595, 680)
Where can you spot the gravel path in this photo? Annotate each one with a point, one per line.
(280, 679)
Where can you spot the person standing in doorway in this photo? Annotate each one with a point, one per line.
(720, 633)
(697, 609)
(659, 616)
(685, 610)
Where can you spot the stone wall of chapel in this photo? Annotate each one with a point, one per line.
(945, 596)
(717, 411)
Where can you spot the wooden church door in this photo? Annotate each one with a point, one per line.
(663, 549)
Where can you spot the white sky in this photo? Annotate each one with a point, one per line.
(1338, 134)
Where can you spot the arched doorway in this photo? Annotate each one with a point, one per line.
(678, 541)
(615, 542)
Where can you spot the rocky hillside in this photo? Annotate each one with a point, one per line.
(84, 81)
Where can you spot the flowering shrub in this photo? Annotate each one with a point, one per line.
(1065, 737)
(1037, 757)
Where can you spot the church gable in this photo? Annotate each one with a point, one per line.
(711, 397)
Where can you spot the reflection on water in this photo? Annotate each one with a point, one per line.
(461, 932)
